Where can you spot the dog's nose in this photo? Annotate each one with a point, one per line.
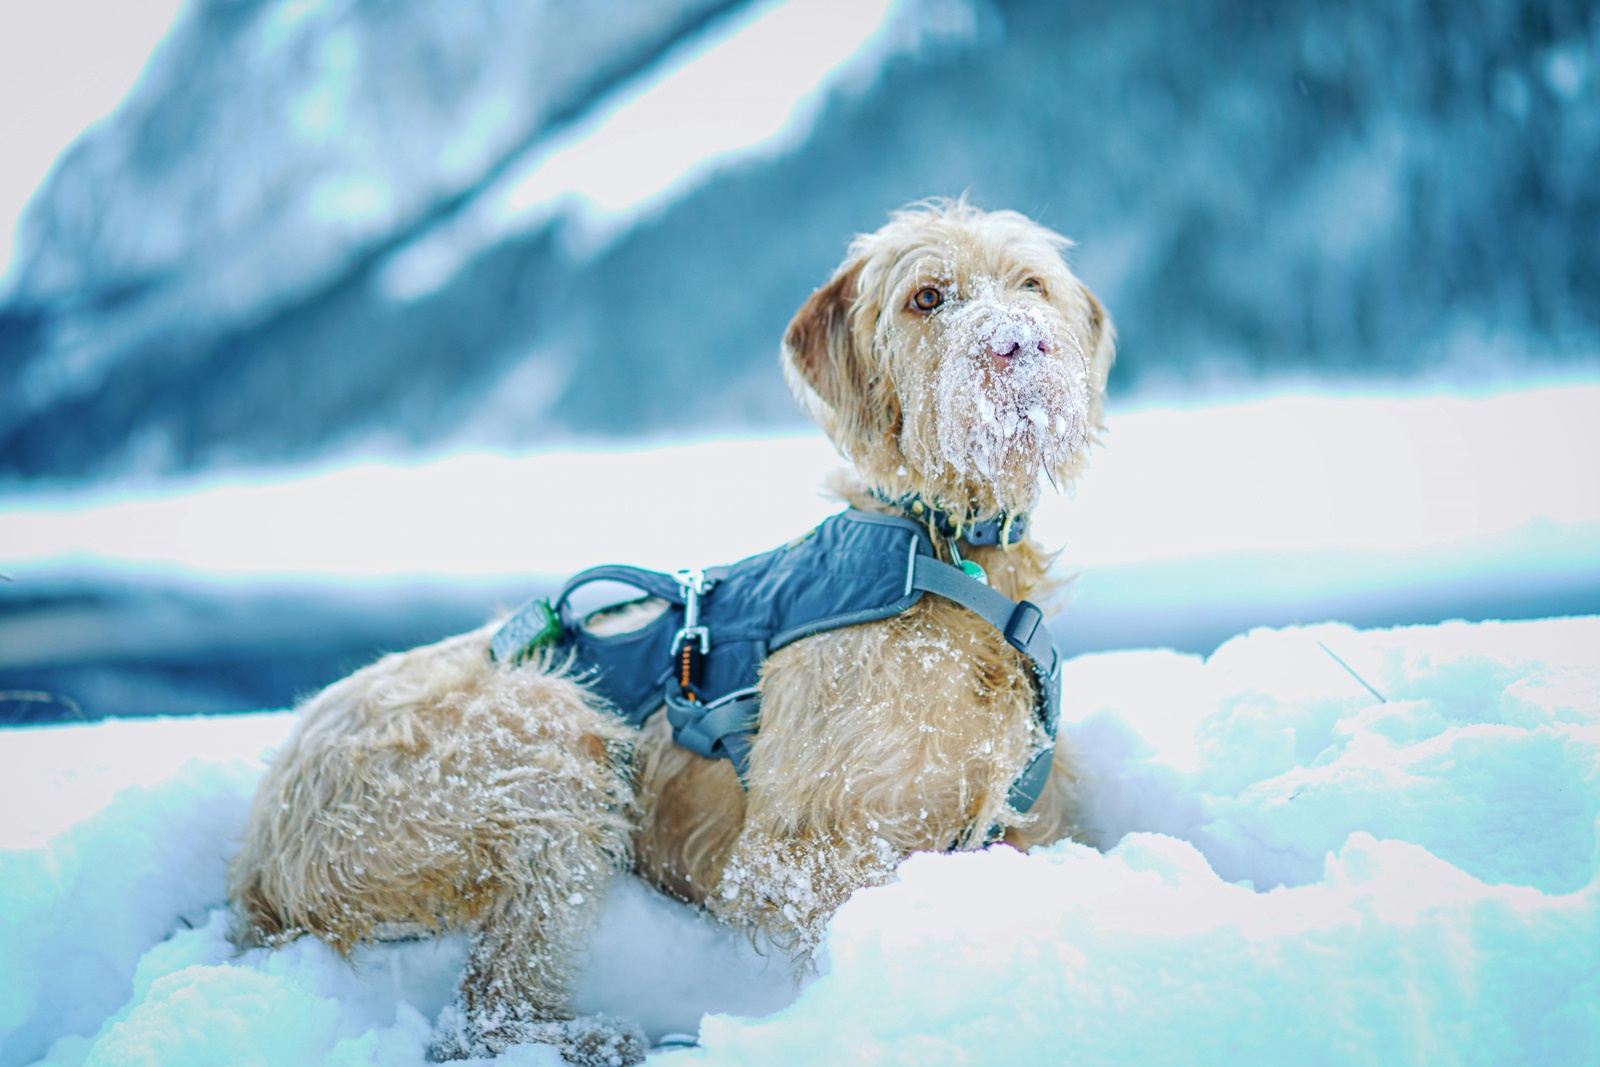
(1010, 347)
(1014, 337)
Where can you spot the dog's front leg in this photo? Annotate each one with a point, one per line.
(517, 970)
(789, 885)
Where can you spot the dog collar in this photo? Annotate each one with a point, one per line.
(1004, 529)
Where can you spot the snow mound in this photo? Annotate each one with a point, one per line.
(1318, 845)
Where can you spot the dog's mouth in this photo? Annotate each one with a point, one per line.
(1008, 399)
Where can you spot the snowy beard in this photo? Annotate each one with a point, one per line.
(999, 422)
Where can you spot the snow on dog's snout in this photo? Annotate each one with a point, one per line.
(1012, 387)
(1006, 333)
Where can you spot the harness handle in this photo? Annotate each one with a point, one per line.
(652, 582)
(541, 621)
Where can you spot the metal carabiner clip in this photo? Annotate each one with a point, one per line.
(694, 584)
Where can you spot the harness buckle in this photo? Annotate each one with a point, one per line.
(1025, 621)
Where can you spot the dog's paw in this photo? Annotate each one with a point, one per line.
(596, 1041)
(586, 1041)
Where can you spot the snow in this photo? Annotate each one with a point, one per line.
(684, 118)
(1317, 843)
(1218, 516)
(73, 61)
(113, 863)
(1280, 866)
(269, 149)
(666, 132)
(1012, 416)
(1295, 473)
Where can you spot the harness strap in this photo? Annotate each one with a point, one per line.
(1022, 625)
(1028, 787)
(726, 727)
(722, 729)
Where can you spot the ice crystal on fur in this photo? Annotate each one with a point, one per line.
(584, 1041)
(1003, 417)
(791, 887)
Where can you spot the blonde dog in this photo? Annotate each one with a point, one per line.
(956, 362)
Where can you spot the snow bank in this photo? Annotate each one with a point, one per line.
(681, 120)
(1290, 858)
(1191, 525)
(1292, 474)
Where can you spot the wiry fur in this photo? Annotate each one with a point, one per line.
(437, 790)
(868, 372)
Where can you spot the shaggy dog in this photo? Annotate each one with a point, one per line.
(953, 359)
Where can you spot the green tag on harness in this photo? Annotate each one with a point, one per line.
(975, 572)
(536, 626)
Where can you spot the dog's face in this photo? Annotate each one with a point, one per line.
(953, 355)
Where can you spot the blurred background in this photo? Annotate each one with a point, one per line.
(328, 325)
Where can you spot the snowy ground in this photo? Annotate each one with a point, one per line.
(1392, 860)
(1282, 867)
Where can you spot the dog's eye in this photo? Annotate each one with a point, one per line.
(927, 299)
(1033, 285)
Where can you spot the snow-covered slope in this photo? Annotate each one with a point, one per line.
(1286, 861)
(322, 222)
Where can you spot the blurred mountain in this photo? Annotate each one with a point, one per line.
(219, 274)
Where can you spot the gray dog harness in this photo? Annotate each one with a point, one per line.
(702, 656)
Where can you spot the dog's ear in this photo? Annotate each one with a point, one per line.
(1102, 351)
(825, 373)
